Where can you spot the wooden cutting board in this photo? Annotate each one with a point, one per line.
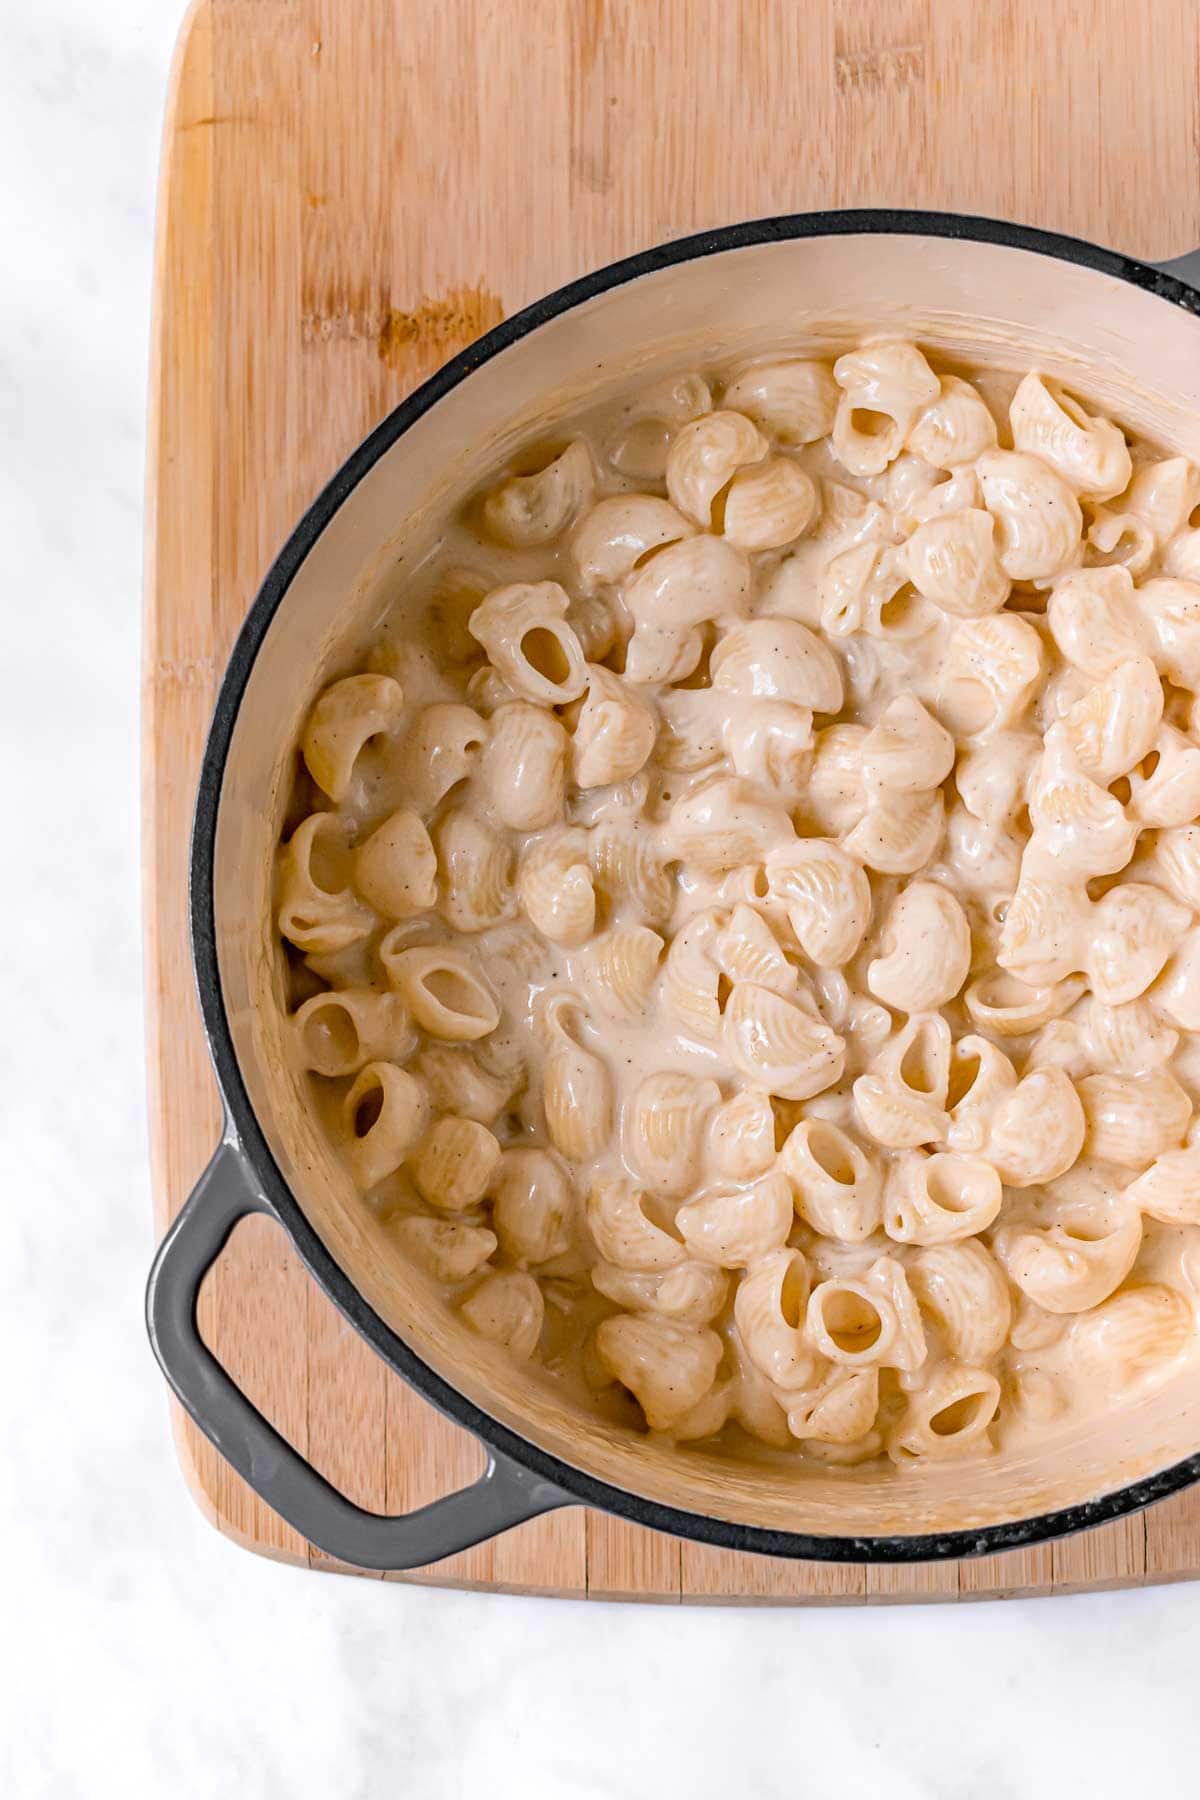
(351, 191)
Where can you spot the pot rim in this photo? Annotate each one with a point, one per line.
(582, 1487)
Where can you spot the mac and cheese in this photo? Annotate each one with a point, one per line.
(742, 923)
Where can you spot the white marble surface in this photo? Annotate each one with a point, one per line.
(147, 1656)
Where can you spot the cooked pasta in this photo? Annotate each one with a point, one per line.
(742, 932)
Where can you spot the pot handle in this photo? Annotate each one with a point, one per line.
(1183, 268)
(504, 1495)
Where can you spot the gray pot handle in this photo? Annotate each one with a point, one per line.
(504, 1495)
(1183, 268)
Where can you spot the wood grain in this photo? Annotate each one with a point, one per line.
(351, 191)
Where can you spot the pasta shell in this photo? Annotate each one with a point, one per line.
(614, 537)
(1163, 494)
(736, 1227)
(384, 1114)
(1177, 860)
(1131, 1119)
(692, 723)
(769, 506)
(1181, 557)
(869, 1321)
(1165, 785)
(952, 562)
(1076, 1262)
(991, 777)
(454, 1164)
(1080, 830)
(1035, 1395)
(1169, 1191)
(981, 1078)
(778, 1046)
(625, 965)
(769, 1308)
(1135, 930)
(748, 950)
(395, 870)
(940, 1199)
(1046, 926)
(676, 592)
(927, 950)
(441, 749)
(1119, 538)
(475, 888)
(615, 732)
(630, 870)
(866, 589)
(991, 669)
(907, 750)
(948, 1417)
(962, 1290)
(593, 619)
(622, 1232)
(841, 1410)
(459, 592)
(523, 628)
(796, 401)
(691, 978)
(835, 1187)
(318, 911)
(527, 511)
(1128, 1039)
(724, 824)
(525, 766)
(704, 456)
(447, 1249)
(1001, 1004)
(899, 833)
(577, 1089)
(1177, 992)
(955, 428)
(554, 886)
(1114, 725)
(1173, 608)
(1038, 522)
(457, 1082)
(1095, 621)
(1089, 453)
(662, 1128)
(667, 1367)
(901, 1104)
(507, 1308)
(826, 895)
(639, 449)
(694, 1293)
(777, 659)
(336, 1033)
(770, 743)
(1137, 1334)
(1037, 1132)
(533, 1205)
(837, 797)
(755, 1406)
(741, 1137)
(918, 495)
(884, 389)
(344, 718)
(487, 691)
(443, 990)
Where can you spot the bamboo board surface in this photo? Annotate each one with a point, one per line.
(351, 191)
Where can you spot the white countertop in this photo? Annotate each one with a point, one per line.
(146, 1655)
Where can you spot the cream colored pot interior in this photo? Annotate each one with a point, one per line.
(1137, 355)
